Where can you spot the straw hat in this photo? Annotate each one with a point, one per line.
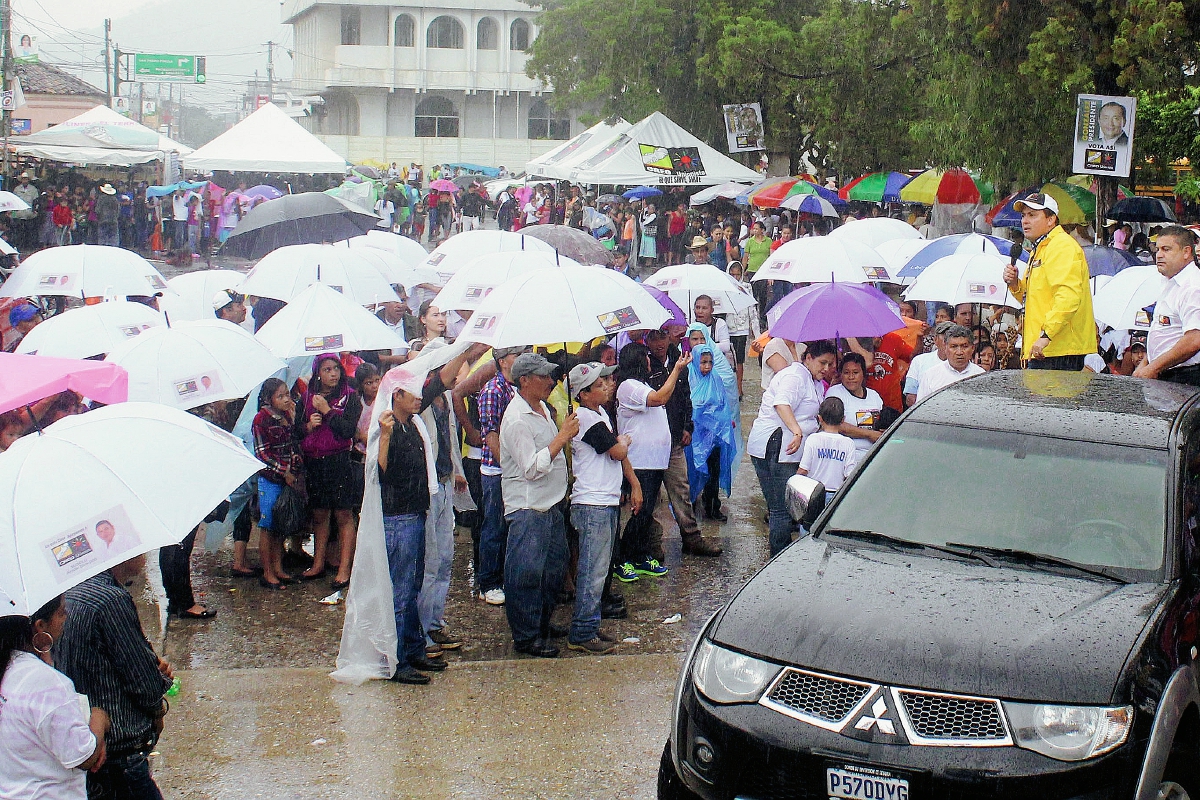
(697, 243)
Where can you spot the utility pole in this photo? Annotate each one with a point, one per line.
(116, 71)
(108, 87)
(6, 64)
(270, 71)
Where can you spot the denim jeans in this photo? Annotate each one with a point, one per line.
(772, 478)
(123, 778)
(493, 537)
(534, 566)
(404, 538)
(597, 527)
(635, 540)
(439, 556)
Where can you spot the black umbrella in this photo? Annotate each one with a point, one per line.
(571, 242)
(1141, 209)
(308, 218)
(1108, 260)
(609, 198)
(465, 181)
(368, 172)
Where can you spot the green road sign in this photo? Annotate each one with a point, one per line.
(166, 67)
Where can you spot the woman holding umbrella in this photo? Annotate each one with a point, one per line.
(327, 426)
(47, 743)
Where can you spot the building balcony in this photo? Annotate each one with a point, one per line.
(367, 66)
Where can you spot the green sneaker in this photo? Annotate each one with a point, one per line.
(650, 567)
(625, 573)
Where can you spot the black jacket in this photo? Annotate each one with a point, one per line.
(679, 407)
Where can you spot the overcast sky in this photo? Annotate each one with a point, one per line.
(232, 33)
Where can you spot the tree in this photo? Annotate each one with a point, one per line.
(1166, 132)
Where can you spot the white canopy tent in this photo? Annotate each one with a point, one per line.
(557, 163)
(266, 141)
(101, 137)
(657, 152)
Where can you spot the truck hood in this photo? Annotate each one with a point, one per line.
(912, 620)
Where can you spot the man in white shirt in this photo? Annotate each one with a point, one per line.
(534, 481)
(1173, 344)
(179, 218)
(920, 364)
(957, 366)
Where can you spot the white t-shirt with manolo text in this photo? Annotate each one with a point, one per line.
(597, 476)
(916, 368)
(647, 426)
(44, 733)
(862, 412)
(829, 458)
(795, 387)
(942, 374)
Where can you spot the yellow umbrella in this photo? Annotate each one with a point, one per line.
(1070, 210)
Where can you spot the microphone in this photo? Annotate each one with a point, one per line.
(1014, 254)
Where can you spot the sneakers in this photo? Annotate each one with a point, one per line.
(596, 646)
(444, 640)
(625, 573)
(650, 567)
(493, 597)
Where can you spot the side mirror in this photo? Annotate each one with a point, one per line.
(805, 499)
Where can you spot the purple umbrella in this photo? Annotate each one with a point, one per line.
(264, 191)
(833, 310)
(677, 315)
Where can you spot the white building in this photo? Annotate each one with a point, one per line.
(436, 84)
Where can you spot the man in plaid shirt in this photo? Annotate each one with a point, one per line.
(493, 538)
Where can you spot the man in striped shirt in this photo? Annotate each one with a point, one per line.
(105, 653)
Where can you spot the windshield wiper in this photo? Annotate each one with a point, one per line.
(1035, 559)
(882, 538)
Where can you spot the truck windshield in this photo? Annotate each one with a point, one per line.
(1095, 504)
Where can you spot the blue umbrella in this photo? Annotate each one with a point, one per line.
(1108, 260)
(642, 192)
(956, 243)
(810, 204)
(1141, 209)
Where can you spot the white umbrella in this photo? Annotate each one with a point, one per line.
(806, 203)
(90, 330)
(821, 259)
(84, 270)
(685, 282)
(410, 250)
(193, 363)
(476, 280)
(454, 253)
(321, 320)
(964, 278)
(568, 304)
(876, 230)
(286, 272)
(1122, 302)
(10, 202)
(153, 473)
(194, 293)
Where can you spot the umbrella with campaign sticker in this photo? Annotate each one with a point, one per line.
(85, 270)
(320, 320)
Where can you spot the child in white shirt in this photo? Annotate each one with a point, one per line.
(829, 456)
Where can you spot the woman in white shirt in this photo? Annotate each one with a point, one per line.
(778, 354)
(790, 403)
(49, 738)
(862, 405)
(642, 417)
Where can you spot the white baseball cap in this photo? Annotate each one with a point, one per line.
(584, 375)
(1038, 202)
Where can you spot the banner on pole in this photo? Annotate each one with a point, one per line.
(743, 127)
(1104, 135)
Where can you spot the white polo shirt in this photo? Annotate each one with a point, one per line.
(942, 374)
(1177, 311)
(647, 426)
(793, 386)
(917, 368)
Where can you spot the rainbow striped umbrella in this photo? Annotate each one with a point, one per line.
(876, 187)
(951, 186)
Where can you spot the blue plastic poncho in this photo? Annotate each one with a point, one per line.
(715, 415)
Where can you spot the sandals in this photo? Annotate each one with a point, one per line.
(339, 584)
(207, 613)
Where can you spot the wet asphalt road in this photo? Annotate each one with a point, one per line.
(258, 716)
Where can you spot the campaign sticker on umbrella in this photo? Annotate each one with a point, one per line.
(877, 273)
(99, 539)
(486, 323)
(477, 292)
(322, 344)
(131, 331)
(435, 259)
(57, 282)
(620, 319)
(779, 266)
(200, 385)
(156, 281)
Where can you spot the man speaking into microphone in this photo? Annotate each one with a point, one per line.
(1059, 327)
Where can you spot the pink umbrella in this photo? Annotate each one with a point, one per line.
(523, 194)
(26, 379)
(443, 185)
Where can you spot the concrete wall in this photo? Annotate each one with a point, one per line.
(511, 153)
(44, 110)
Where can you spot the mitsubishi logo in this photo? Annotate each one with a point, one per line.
(876, 718)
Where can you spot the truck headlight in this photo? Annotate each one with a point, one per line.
(1069, 733)
(724, 676)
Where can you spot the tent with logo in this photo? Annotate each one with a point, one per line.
(99, 137)
(657, 152)
(557, 163)
(266, 141)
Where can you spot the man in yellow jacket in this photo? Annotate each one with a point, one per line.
(1059, 327)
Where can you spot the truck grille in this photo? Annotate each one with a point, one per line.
(942, 717)
(819, 696)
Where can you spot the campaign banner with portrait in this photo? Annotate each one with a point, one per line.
(743, 127)
(1104, 135)
(24, 48)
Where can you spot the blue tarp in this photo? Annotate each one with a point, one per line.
(163, 191)
(491, 172)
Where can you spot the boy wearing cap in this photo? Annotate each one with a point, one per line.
(600, 459)
(1059, 327)
(229, 306)
(534, 475)
(23, 318)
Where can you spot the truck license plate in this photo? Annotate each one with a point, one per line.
(862, 783)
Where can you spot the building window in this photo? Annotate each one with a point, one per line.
(519, 36)
(341, 115)
(487, 34)
(445, 32)
(544, 125)
(404, 32)
(437, 117)
(351, 25)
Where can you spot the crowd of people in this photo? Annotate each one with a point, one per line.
(648, 417)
